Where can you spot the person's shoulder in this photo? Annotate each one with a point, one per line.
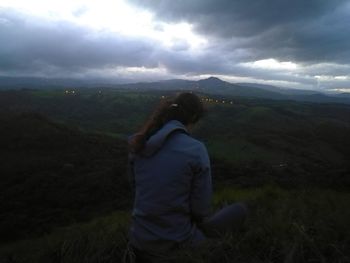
(187, 139)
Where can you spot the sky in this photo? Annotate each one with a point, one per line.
(302, 44)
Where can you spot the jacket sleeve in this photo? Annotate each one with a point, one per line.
(201, 188)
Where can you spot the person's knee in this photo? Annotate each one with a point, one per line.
(244, 209)
(229, 218)
(239, 214)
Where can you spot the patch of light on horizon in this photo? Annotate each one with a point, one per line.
(128, 72)
(271, 64)
(329, 81)
(109, 15)
(142, 70)
(346, 90)
(331, 78)
(341, 77)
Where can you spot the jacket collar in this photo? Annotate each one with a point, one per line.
(156, 141)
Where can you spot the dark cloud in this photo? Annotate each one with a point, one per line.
(239, 17)
(313, 30)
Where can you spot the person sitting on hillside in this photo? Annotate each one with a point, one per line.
(173, 185)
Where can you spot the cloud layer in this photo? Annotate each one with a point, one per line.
(303, 31)
(301, 44)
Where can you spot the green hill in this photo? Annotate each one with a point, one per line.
(53, 175)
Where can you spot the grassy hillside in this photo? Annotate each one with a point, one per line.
(65, 196)
(53, 175)
(285, 141)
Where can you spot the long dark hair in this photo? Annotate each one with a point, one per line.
(186, 107)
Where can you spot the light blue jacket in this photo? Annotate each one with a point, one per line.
(173, 190)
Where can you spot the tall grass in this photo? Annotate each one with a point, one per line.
(299, 225)
(101, 240)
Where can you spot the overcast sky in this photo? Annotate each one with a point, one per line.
(297, 44)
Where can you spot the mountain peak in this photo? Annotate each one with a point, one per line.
(213, 80)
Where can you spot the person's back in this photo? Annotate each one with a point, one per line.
(166, 203)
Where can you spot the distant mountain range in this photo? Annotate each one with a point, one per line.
(210, 85)
(217, 86)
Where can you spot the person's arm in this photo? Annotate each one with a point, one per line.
(201, 192)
